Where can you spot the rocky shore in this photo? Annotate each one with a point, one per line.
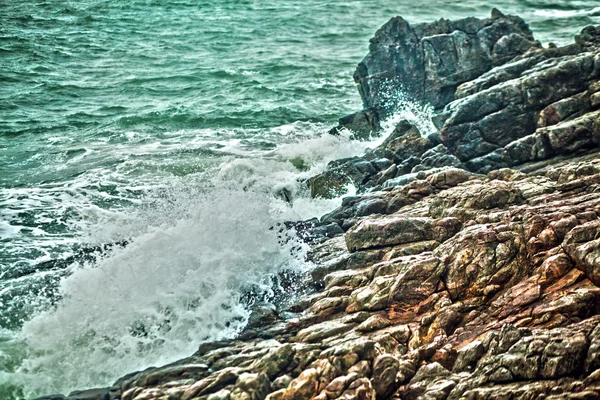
(468, 266)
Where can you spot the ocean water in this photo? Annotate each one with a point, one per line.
(185, 128)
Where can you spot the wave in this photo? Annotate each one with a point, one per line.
(153, 301)
(561, 14)
(195, 244)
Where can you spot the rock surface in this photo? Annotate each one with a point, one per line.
(469, 265)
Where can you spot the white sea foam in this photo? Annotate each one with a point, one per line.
(156, 299)
(567, 13)
(194, 244)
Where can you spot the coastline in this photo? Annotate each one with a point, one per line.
(449, 275)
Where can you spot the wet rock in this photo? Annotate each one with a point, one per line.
(406, 141)
(481, 260)
(429, 61)
(448, 284)
(354, 171)
(437, 157)
(262, 315)
(468, 356)
(362, 124)
(252, 387)
(93, 394)
(498, 126)
(385, 371)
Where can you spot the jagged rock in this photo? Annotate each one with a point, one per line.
(406, 141)
(430, 60)
(385, 372)
(566, 137)
(363, 124)
(468, 356)
(93, 394)
(437, 157)
(251, 387)
(496, 126)
(583, 246)
(492, 306)
(353, 171)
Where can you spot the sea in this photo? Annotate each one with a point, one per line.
(150, 151)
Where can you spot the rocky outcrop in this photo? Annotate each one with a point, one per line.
(477, 286)
(499, 109)
(427, 62)
(450, 276)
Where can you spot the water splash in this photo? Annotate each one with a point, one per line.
(394, 98)
(153, 301)
(195, 245)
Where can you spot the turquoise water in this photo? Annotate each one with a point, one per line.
(176, 125)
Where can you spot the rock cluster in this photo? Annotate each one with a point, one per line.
(451, 276)
(511, 104)
(430, 61)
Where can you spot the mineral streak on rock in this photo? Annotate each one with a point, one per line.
(450, 276)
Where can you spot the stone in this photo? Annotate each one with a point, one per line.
(468, 356)
(465, 266)
(397, 229)
(385, 371)
(582, 244)
(428, 61)
(363, 124)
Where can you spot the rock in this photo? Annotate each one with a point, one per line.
(437, 157)
(262, 314)
(52, 397)
(406, 141)
(353, 171)
(93, 394)
(277, 361)
(373, 323)
(566, 137)
(428, 61)
(469, 264)
(304, 386)
(582, 244)
(394, 230)
(385, 371)
(498, 126)
(479, 260)
(254, 386)
(468, 356)
(363, 124)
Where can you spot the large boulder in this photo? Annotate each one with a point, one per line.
(398, 229)
(430, 60)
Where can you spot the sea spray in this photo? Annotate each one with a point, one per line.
(396, 102)
(156, 299)
(196, 244)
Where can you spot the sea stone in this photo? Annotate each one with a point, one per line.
(583, 246)
(428, 61)
(398, 229)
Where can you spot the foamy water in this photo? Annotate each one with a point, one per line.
(195, 245)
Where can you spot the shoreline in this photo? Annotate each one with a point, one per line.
(448, 275)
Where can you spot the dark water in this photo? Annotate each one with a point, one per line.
(147, 120)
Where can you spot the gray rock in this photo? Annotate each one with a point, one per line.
(428, 61)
